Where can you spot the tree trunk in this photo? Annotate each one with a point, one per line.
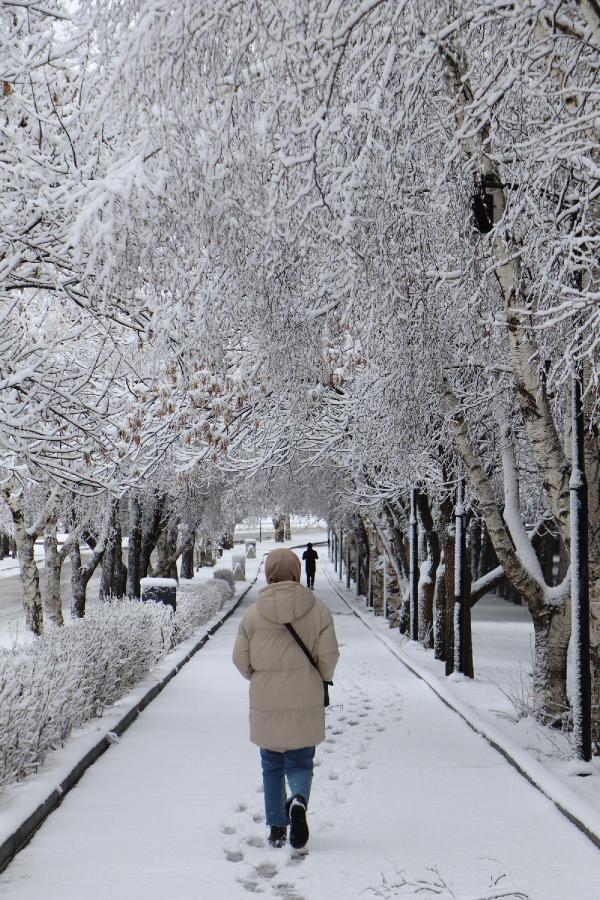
(78, 583)
(120, 570)
(150, 533)
(449, 552)
(30, 578)
(227, 539)
(431, 564)
(187, 557)
(287, 527)
(594, 600)
(53, 566)
(552, 631)
(135, 545)
(168, 552)
(109, 556)
(439, 599)
(279, 526)
(475, 540)
(81, 574)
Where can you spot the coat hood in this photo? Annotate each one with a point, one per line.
(284, 601)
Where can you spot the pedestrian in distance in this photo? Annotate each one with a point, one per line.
(310, 558)
(287, 713)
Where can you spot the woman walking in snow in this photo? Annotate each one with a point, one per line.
(287, 713)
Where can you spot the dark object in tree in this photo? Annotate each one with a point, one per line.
(482, 204)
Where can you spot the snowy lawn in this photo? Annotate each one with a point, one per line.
(407, 800)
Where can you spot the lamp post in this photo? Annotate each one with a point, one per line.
(460, 571)
(580, 601)
(414, 569)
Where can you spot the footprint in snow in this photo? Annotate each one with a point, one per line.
(233, 855)
(253, 887)
(228, 829)
(297, 856)
(255, 841)
(266, 869)
(286, 891)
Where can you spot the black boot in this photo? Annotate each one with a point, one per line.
(278, 835)
(298, 826)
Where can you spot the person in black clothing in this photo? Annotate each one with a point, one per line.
(310, 556)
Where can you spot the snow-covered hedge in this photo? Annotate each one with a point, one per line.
(197, 602)
(71, 674)
(226, 575)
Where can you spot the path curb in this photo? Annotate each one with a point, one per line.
(21, 836)
(576, 810)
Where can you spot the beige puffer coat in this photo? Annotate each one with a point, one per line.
(286, 691)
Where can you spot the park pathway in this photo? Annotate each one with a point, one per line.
(404, 793)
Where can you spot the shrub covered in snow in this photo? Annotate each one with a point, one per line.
(197, 602)
(226, 575)
(71, 674)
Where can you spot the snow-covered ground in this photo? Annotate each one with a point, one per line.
(501, 691)
(404, 793)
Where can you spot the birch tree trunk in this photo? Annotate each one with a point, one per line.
(53, 565)
(552, 630)
(550, 670)
(25, 546)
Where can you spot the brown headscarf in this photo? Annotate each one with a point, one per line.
(282, 565)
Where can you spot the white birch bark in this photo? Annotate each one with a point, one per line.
(53, 565)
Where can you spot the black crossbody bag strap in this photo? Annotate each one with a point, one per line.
(309, 656)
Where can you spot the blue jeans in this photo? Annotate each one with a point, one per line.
(297, 766)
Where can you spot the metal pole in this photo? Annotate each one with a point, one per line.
(580, 601)
(414, 568)
(348, 564)
(460, 571)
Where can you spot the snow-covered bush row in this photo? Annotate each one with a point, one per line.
(196, 604)
(226, 575)
(69, 675)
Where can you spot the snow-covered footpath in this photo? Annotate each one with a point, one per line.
(405, 796)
